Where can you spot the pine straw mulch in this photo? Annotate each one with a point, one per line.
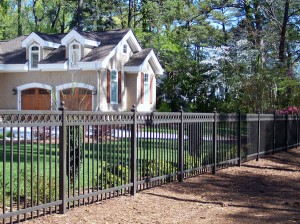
(267, 191)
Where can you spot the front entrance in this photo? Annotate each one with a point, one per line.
(36, 99)
(79, 99)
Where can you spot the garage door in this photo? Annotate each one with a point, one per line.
(77, 99)
(36, 99)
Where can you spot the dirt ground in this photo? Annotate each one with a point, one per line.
(267, 191)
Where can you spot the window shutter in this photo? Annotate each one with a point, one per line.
(119, 87)
(142, 87)
(151, 89)
(108, 86)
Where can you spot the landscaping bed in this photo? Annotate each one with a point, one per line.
(267, 191)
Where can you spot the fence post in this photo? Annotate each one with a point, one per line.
(215, 142)
(62, 160)
(133, 164)
(286, 131)
(258, 135)
(239, 140)
(181, 146)
(274, 132)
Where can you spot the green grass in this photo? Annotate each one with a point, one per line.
(104, 165)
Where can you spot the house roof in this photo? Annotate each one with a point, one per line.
(108, 41)
(54, 38)
(103, 46)
(138, 58)
(56, 56)
(11, 52)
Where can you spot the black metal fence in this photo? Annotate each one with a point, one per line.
(53, 160)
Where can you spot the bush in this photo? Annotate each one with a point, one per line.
(157, 167)
(74, 152)
(112, 175)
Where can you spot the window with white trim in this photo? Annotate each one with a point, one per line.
(146, 88)
(74, 54)
(114, 87)
(34, 56)
(125, 49)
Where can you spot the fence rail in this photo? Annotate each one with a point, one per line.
(51, 161)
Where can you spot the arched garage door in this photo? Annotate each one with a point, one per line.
(36, 99)
(79, 99)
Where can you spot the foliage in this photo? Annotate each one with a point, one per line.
(74, 152)
(155, 168)
(231, 55)
(112, 175)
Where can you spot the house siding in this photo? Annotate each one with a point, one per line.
(116, 62)
(10, 81)
(146, 106)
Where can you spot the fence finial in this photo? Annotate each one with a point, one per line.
(258, 111)
(133, 108)
(181, 109)
(215, 110)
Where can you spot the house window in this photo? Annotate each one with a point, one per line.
(34, 56)
(114, 87)
(146, 88)
(125, 48)
(74, 56)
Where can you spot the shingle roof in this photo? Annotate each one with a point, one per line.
(56, 56)
(11, 52)
(109, 41)
(54, 38)
(138, 58)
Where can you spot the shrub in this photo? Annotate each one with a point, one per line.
(112, 175)
(74, 152)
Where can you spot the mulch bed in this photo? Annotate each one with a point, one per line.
(267, 191)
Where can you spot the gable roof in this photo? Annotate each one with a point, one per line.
(109, 40)
(54, 38)
(138, 58)
(103, 46)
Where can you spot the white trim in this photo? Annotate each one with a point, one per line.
(14, 67)
(117, 81)
(54, 67)
(132, 68)
(146, 99)
(75, 35)
(152, 59)
(120, 47)
(71, 51)
(34, 37)
(73, 85)
(30, 55)
(30, 86)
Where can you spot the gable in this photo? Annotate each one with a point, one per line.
(98, 48)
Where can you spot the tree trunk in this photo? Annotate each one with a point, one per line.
(129, 13)
(283, 31)
(19, 17)
(79, 15)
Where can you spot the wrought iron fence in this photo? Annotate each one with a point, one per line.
(53, 160)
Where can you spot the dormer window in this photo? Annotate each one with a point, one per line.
(74, 54)
(34, 56)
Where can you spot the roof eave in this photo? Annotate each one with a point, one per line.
(34, 37)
